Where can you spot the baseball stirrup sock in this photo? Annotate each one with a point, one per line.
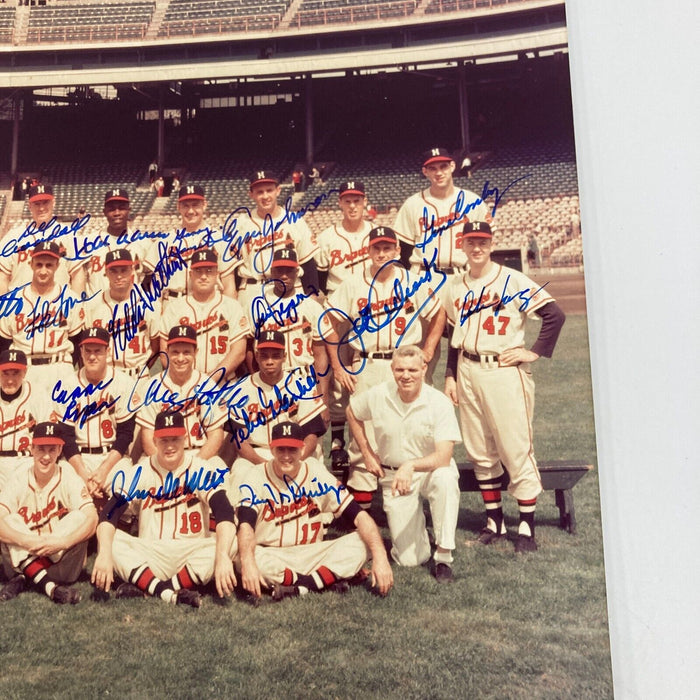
(142, 577)
(185, 578)
(527, 517)
(316, 580)
(491, 496)
(363, 498)
(36, 570)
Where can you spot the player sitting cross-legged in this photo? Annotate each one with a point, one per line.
(174, 495)
(46, 518)
(280, 527)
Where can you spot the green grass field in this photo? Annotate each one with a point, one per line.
(509, 627)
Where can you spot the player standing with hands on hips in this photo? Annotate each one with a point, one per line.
(488, 376)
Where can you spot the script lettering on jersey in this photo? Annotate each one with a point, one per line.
(171, 489)
(48, 313)
(40, 518)
(472, 305)
(369, 318)
(71, 399)
(10, 303)
(35, 232)
(294, 493)
(127, 317)
(278, 310)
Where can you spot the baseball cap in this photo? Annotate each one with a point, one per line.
(262, 176)
(117, 194)
(13, 359)
(40, 193)
(436, 155)
(118, 257)
(182, 334)
(287, 434)
(270, 339)
(205, 257)
(352, 187)
(285, 257)
(476, 229)
(382, 234)
(191, 192)
(97, 335)
(169, 424)
(46, 248)
(47, 434)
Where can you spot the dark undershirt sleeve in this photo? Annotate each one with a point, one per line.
(125, 434)
(316, 426)
(346, 519)
(552, 320)
(221, 507)
(406, 250)
(310, 279)
(70, 447)
(113, 510)
(452, 358)
(247, 515)
(323, 280)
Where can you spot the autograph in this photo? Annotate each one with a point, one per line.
(471, 305)
(294, 493)
(73, 411)
(48, 313)
(14, 245)
(279, 309)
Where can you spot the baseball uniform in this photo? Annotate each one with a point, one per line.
(342, 253)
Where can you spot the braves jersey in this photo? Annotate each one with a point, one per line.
(131, 347)
(296, 317)
(45, 324)
(42, 508)
(95, 409)
(19, 416)
(219, 323)
(171, 505)
(200, 417)
(383, 313)
(342, 253)
(489, 313)
(290, 511)
(268, 405)
(94, 259)
(257, 239)
(423, 217)
(18, 265)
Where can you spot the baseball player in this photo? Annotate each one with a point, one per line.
(280, 526)
(50, 319)
(343, 251)
(95, 404)
(46, 518)
(274, 396)
(489, 377)
(173, 389)
(192, 235)
(114, 236)
(135, 336)
(175, 495)
(280, 306)
(221, 325)
(18, 243)
(415, 430)
(268, 228)
(384, 307)
(21, 407)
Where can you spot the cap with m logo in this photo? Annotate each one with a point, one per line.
(182, 334)
(169, 424)
(39, 193)
(205, 257)
(13, 359)
(117, 194)
(96, 335)
(285, 257)
(47, 434)
(270, 339)
(262, 176)
(190, 192)
(436, 155)
(287, 434)
(351, 187)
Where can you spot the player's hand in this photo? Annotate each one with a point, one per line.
(382, 576)
(48, 545)
(451, 390)
(348, 381)
(251, 579)
(326, 417)
(428, 355)
(225, 577)
(514, 356)
(403, 480)
(94, 486)
(373, 465)
(103, 572)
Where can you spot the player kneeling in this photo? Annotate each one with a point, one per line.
(46, 518)
(280, 527)
(173, 496)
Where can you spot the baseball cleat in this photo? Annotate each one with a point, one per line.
(99, 596)
(128, 590)
(65, 594)
(12, 588)
(342, 587)
(360, 578)
(443, 573)
(280, 592)
(186, 596)
(340, 459)
(525, 544)
(487, 536)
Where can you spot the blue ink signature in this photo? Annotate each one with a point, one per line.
(43, 316)
(13, 245)
(296, 493)
(279, 310)
(171, 489)
(10, 303)
(471, 305)
(366, 322)
(73, 411)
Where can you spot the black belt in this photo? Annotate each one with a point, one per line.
(46, 360)
(175, 294)
(250, 280)
(377, 355)
(449, 270)
(95, 450)
(479, 358)
(13, 453)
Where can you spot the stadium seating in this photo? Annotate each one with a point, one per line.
(314, 12)
(7, 23)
